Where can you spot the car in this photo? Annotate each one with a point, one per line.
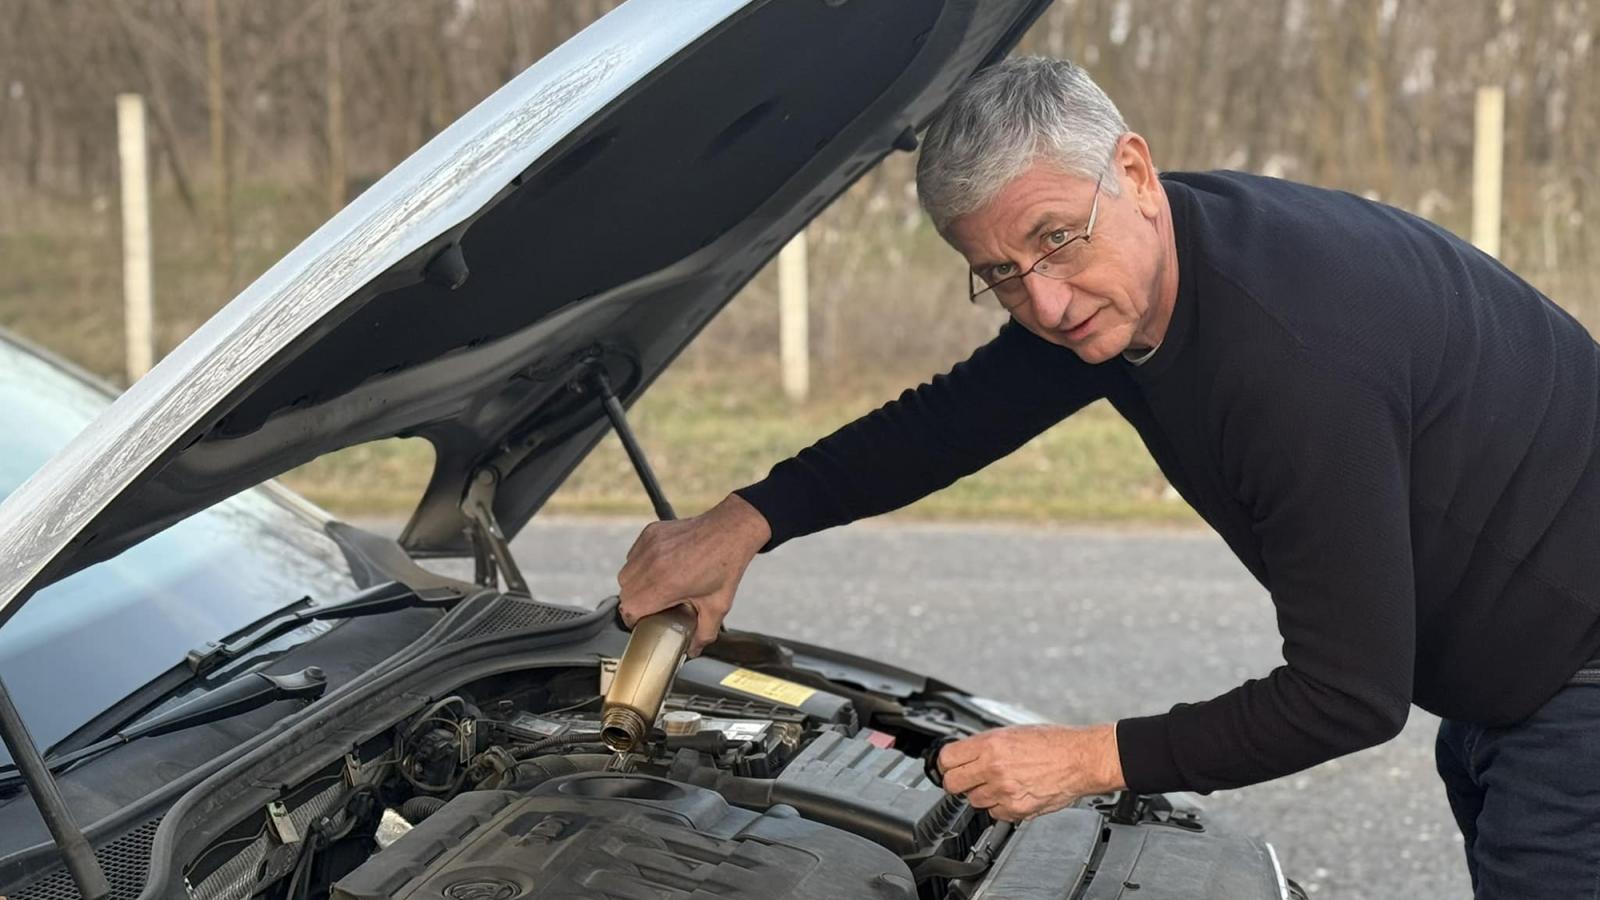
(117, 624)
(238, 696)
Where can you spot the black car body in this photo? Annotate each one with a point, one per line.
(431, 737)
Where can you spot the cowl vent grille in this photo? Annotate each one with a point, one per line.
(125, 860)
(511, 614)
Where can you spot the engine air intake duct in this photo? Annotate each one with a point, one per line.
(856, 786)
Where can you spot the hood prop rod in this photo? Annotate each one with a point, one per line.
(641, 465)
(81, 862)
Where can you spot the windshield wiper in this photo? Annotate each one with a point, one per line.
(386, 598)
(207, 658)
(236, 697)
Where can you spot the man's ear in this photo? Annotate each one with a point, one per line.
(1138, 173)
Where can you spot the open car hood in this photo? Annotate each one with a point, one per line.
(590, 216)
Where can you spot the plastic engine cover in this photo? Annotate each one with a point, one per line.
(602, 835)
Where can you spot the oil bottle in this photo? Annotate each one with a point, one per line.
(655, 651)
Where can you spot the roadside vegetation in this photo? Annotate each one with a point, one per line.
(706, 435)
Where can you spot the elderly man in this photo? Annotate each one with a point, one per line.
(1396, 435)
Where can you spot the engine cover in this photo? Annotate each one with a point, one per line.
(603, 835)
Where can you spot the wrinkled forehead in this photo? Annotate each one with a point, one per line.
(1042, 196)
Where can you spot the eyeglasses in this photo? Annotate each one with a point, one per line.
(1066, 259)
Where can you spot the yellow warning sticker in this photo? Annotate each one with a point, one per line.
(765, 686)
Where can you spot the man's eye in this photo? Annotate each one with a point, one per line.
(1004, 270)
(1055, 238)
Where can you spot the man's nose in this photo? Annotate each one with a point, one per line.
(1048, 298)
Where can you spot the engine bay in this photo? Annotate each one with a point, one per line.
(770, 772)
(503, 790)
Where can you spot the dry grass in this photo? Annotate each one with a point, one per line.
(708, 435)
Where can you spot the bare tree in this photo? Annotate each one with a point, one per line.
(289, 106)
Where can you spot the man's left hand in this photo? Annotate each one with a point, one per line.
(1024, 771)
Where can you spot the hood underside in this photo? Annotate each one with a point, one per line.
(590, 216)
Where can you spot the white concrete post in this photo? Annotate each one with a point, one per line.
(793, 323)
(1487, 147)
(138, 324)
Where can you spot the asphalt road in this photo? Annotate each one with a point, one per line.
(1083, 626)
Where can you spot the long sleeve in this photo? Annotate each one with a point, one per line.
(1320, 463)
(1008, 391)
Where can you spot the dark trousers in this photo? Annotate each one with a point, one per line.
(1527, 797)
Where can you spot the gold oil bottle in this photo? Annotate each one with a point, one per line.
(651, 661)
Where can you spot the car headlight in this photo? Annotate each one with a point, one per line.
(1009, 713)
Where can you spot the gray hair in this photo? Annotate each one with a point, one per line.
(1008, 116)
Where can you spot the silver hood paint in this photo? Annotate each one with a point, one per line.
(458, 298)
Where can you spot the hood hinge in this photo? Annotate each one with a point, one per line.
(491, 552)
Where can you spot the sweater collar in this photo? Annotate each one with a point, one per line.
(1181, 202)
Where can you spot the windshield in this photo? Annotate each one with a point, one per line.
(83, 643)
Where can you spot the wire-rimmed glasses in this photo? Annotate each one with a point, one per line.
(1069, 257)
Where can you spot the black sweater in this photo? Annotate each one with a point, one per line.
(1395, 434)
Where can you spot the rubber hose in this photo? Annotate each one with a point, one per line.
(531, 773)
(736, 789)
(539, 748)
(418, 808)
(850, 814)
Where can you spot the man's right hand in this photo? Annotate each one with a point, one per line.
(697, 561)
